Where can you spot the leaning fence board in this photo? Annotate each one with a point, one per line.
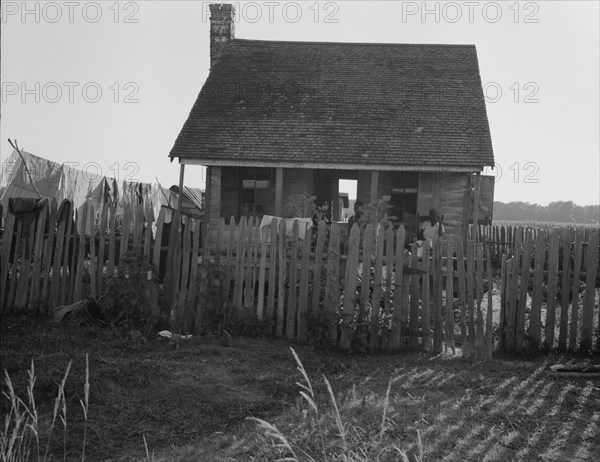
(450, 295)
(102, 247)
(565, 289)
(479, 344)
(405, 300)
(332, 288)
(512, 292)
(389, 277)
(376, 312)
(184, 282)
(538, 280)
(413, 339)
(399, 310)
(38, 252)
(138, 228)
(390, 293)
(590, 294)
(58, 252)
(125, 231)
(272, 246)
(303, 309)
(71, 249)
(229, 267)
(349, 302)
(523, 288)
(462, 298)
(179, 224)
(317, 281)
(281, 241)
(7, 242)
(575, 289)
(81, 255)
(49, 244)
(470, 275)
(157, 250)
(489, 340)
(248, 265)
(191, 300)
(261, 276)
(502, 323)
(93, 264)
(425, 301)
(148, 238)
(13, 279)
(293, 285)
(552, 286)
(112, 244)
(365, 274)
(239, 265)
(169, 291)
(437, 297)
(23, 281)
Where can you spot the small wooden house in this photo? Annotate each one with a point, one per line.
(276, 122)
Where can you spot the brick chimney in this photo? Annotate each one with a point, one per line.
(222, 29)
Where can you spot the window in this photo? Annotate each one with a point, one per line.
(246, 191)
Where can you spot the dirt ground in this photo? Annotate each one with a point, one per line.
(190, 400)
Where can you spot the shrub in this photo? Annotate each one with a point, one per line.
(131, 297)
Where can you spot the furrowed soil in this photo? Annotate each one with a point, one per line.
(191, 400)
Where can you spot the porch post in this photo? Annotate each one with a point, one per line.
(278, 191)
(180, 199)
(374, 184)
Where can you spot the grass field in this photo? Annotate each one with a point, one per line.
(190, 401)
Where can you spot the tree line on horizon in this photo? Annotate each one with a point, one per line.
(559, 212)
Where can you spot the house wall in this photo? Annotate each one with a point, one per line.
(213, 182)
(444, 192)
(448, 193)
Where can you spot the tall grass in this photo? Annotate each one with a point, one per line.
(22, 437)
(329, 433)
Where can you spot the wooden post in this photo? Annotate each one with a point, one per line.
(476, 207)
(565, 290)
(578, 250)
(332, 289)
(290, 331)
(349, 302)
(278, 191)
(374, 184)
(376, 313)
(552, 286)
(181, 174)
(450, 295)
(587, 327)
(437, 296)
(466, 206)
(400, 310)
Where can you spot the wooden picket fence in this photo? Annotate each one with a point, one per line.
(560, 270)
(501, 239)
(63, 257)
(378, 297)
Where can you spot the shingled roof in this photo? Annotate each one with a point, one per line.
(328, 104)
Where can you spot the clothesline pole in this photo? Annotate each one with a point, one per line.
(15, 146)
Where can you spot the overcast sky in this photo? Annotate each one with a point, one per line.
(107, 86)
